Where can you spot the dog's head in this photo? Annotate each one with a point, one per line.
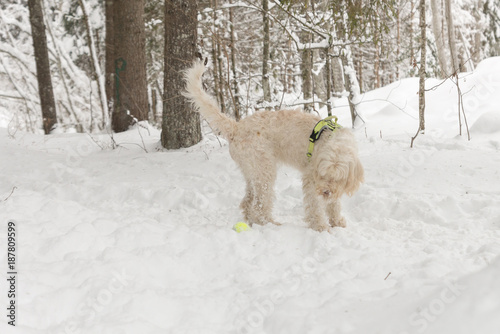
(337, 168)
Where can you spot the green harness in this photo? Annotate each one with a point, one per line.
(329, 123)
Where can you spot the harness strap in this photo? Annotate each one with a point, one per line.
(329, 123)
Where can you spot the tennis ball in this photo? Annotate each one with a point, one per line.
(240, 227)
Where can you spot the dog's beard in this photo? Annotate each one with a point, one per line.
(330, 192)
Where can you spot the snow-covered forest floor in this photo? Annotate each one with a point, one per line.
(139, 240)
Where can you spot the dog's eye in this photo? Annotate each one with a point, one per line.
(326, 192)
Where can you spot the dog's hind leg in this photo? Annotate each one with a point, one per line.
(247, 202)
(314, 206)
(262, 183)
(334, 216)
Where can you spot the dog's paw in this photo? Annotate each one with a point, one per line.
(337, 222)
(321, 227)
(266, 221)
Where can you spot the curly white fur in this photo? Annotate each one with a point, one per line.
(259, 143)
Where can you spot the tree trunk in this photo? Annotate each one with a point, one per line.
(476, 53)
(360, 72)
(236, 92)
(306, 63)
(318, 80)
(131, 95)
(58, 53)
(350, 82)
(451, 37)
(328, 70)
(96, 67)
(220, 67)
(376, 65)
(421, 90)
(110, 56)
(412, 52)
(265, 52)
(465, 58)
(153, 106)
(306, 72)
(42, 65)
(398, 40)
(338, 80)
(440, 45)
(215, 57)
(181, 124)
(421, 72)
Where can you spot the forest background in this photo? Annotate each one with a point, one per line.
(263, 54)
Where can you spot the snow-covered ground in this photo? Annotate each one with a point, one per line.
(139, 240)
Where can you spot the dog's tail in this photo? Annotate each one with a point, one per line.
(206, 104)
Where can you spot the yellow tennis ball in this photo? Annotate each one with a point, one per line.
(240, 227)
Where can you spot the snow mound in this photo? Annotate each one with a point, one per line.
(487, 123)
(474, 297)
(389, 111)
(488, 66)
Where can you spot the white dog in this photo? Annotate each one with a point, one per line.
(260, 142)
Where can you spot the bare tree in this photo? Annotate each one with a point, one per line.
(306, 72)
(421, 90)
(421, 72)
(131, 96)
(329, 85)
(265, 52)
(451, 37)
(217, 59)
(438, 36)
(236, 97)
(476, 53)
(110, 54)
(181, 124)
(398, 40)
(42, 65)
(412, 52)
(350, 82)
(94, 62)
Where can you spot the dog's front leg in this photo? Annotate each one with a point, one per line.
(314, 206)
(334, 216)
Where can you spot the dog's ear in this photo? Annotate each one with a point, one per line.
(356, 176)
